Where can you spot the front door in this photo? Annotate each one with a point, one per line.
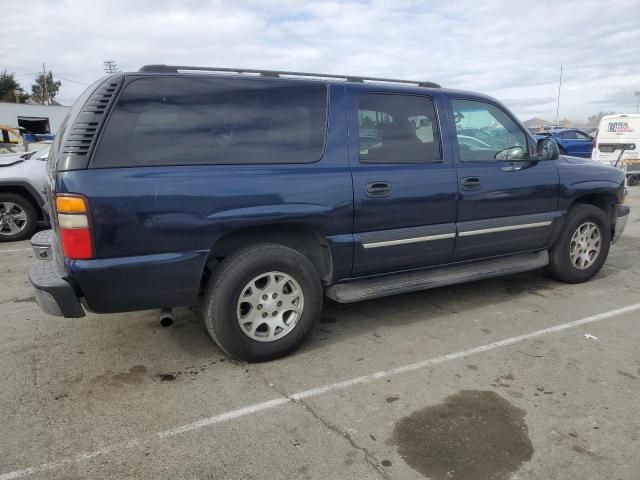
(508, 199)
(404, 182)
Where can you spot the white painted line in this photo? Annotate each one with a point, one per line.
(277, 402)
(16, 250)
(223, 417)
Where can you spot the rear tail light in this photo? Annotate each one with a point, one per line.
(73, 223)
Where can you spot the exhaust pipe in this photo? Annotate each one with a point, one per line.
(166, 317)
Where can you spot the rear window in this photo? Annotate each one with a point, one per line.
(188, 121)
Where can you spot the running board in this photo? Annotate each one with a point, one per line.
(423, 280)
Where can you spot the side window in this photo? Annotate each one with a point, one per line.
(397, 129)
(202, 120)
(582, 136)
(570, 135)
(486, 133)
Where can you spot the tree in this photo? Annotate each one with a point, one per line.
(10, 90)
(594, 120)
(45, 89)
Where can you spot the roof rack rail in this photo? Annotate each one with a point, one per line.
(279, 73)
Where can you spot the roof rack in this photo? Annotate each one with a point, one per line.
(278, 74)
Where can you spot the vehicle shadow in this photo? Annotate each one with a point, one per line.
(342, 323)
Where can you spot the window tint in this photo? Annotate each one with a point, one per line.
(182, 121)
(486, 133)
(397, 129)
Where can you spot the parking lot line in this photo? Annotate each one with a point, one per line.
(16, 250)
(298, 396)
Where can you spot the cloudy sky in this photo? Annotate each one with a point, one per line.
(509, 49)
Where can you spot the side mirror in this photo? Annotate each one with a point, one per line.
(513, 153)
(547, 149)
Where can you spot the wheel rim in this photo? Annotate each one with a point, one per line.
(13, 218)
(270, 306)
(585, 245)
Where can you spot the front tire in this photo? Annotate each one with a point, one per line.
(583, 245)
(262, 302)
(18, 218)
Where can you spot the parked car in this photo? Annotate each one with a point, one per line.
(471, 142)
(22, 193)
(618, 144)
(573, 142)
(249, 197)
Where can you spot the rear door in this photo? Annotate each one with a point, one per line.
(507, 199)
(404, 181)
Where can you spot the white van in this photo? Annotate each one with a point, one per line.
(619, 134)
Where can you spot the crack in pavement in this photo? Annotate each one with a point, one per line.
(368, 456)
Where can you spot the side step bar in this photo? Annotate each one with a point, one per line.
(412, 281)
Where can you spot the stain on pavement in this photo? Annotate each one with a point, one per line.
(471, 435)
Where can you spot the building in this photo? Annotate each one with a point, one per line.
(535, 122)
(37, 119)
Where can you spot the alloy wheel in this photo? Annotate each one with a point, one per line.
(585, 245)
(270, 306)
(13, 218)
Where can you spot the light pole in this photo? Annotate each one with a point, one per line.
(638, 103)
(558, 104)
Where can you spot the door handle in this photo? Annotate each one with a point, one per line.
(470, 183)
(378, 189)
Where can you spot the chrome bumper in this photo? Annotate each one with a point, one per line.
(622, 216)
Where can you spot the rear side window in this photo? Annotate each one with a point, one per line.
(55, 147)
(397, 129)
(196, 120)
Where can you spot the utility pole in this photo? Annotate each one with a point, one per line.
(558, 104)
(637, 94)
(44, 84)
(110, 66)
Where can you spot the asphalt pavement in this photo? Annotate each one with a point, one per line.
(516, 377)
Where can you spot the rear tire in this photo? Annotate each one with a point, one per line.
(18, 217)
(633, 180)
(583, 245)
(262, 302)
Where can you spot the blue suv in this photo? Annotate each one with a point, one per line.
(252, 195)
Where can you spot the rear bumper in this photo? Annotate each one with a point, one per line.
(622, 216)
(54, 294)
